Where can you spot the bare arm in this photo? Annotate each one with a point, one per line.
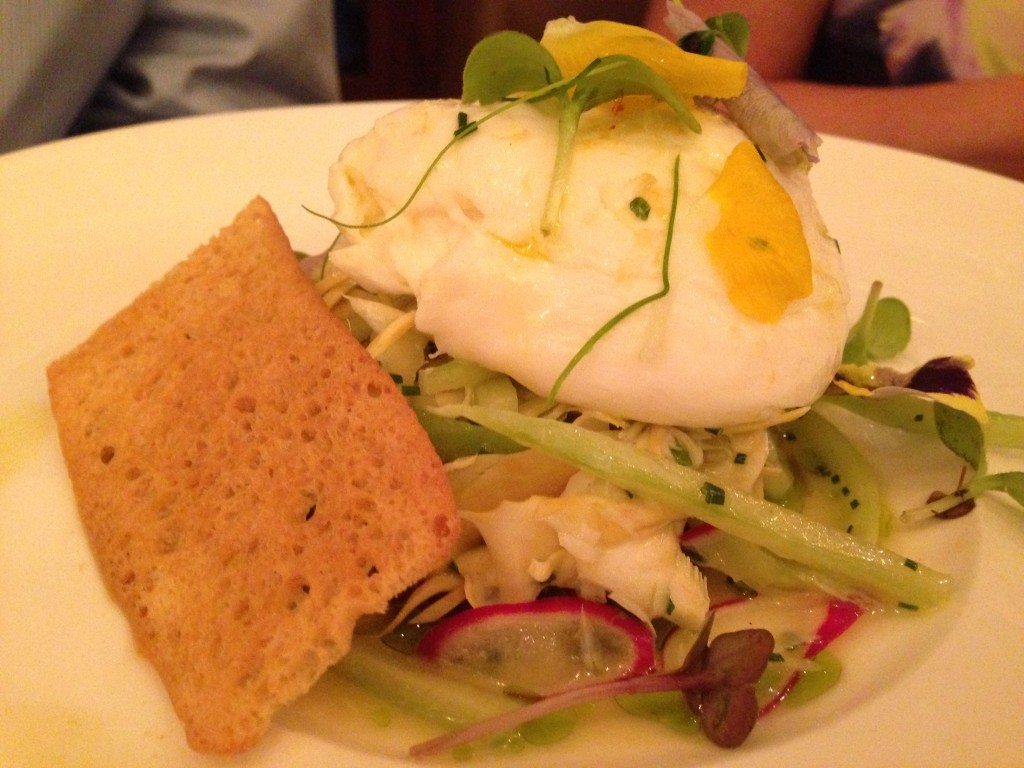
(781, 33)
(977, 122)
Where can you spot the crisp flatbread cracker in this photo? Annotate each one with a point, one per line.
(250, 480)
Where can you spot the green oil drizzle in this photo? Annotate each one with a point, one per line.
(820, 677)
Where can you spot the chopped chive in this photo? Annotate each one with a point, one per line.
(410, 390)
(640, 208)
(918, 417)
(849, 528)
(908, 606)
(773, 656)
(670, 607)
(713, 494)
(740, 458)
(681, 456)
(465, 125)
(911, 564)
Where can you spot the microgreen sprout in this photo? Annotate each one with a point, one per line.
(508, 63)
(960, 501)
(717, 677)
(882, 332)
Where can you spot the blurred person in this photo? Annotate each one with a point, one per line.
(81, 65)
(942, 77)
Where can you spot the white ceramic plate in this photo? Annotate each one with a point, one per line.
(87, 223)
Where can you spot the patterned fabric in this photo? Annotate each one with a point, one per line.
(875, 42)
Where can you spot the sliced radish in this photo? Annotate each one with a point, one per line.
(839, 617)
(722, 673)
(543, 646)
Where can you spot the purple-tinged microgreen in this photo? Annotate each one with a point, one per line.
(944, 375)
(718, 676)
(938, 398)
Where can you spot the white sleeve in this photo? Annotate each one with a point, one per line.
(199, 56)
(53, 55)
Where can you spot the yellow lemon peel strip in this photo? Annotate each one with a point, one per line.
(574, 45)
(758, 245)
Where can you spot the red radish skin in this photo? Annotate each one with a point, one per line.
(437, 641)
(839, 617)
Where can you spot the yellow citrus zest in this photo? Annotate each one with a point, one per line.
(574, 45)
(758, 245)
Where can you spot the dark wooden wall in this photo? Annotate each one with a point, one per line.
(401, 49)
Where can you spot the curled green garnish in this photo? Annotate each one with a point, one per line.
(508, 63)
(464, 128)
(623, 314)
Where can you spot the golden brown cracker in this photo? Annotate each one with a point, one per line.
(249, 478)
